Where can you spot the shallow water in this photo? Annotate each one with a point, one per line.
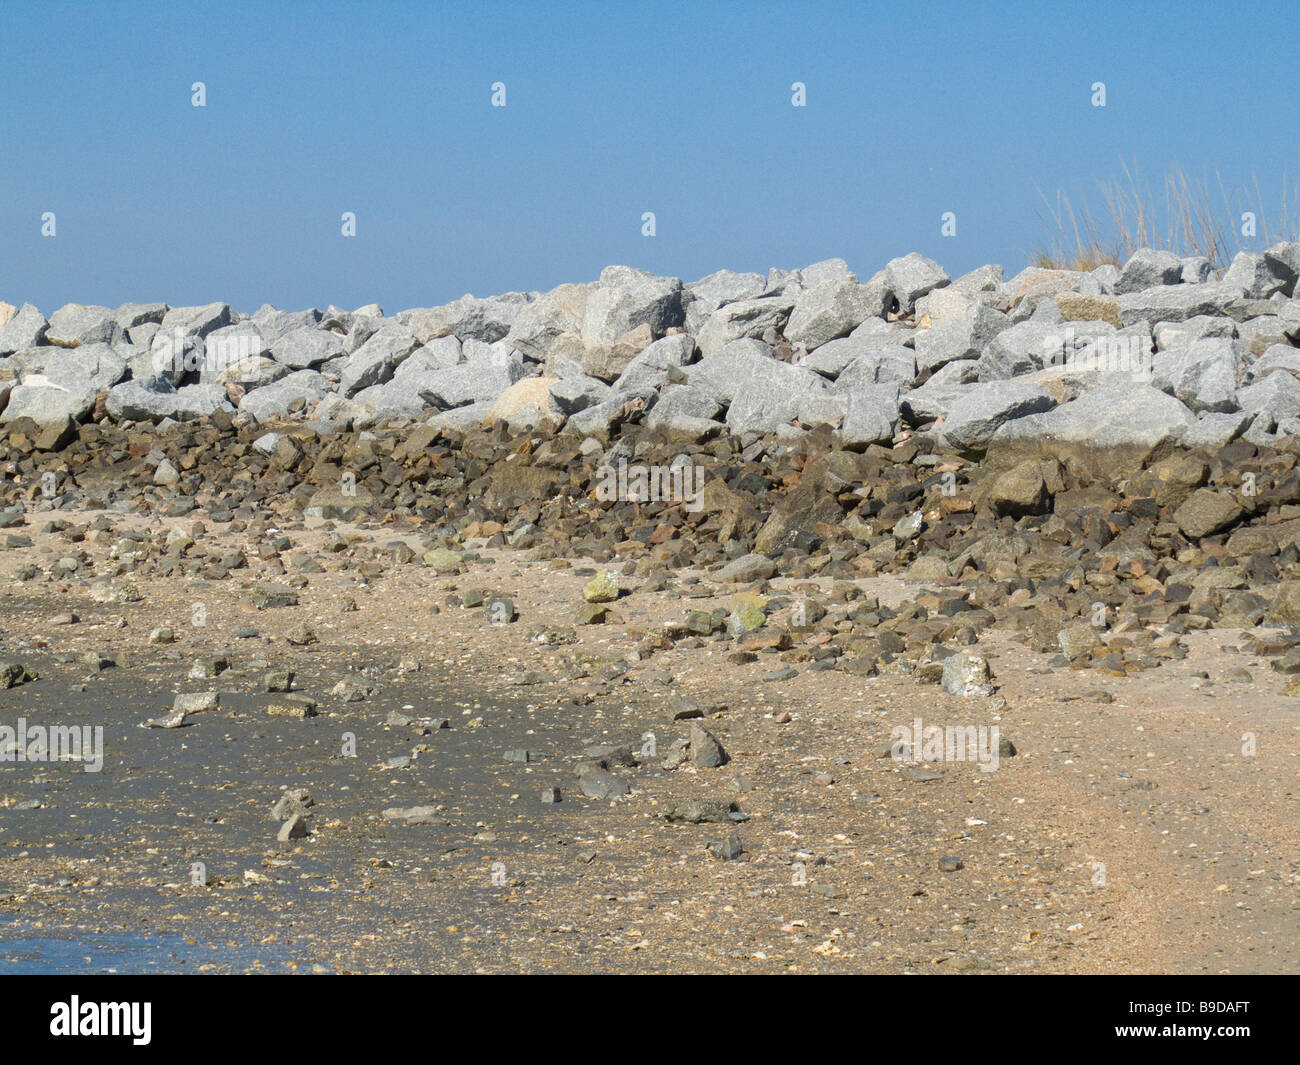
(122, 953)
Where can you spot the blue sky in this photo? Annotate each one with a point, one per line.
(614, 109)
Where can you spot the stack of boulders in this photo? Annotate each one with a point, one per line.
(1062, 453)
(1152, 354)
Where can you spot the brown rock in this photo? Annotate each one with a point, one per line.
(1020, 490)
(1286, 604)
(1077, 308)
(1206, 512)
(532, 392)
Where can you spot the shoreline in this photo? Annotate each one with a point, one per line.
(801, 711)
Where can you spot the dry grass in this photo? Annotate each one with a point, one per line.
(1186, 218)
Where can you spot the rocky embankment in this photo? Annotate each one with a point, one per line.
(1089, 454)
(462, 619)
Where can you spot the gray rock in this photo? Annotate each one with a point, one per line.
(197, 321)
(1283, 261)
(1177, 303)
(723, 373)
(439, 354)
(1289, 319)
(462, 417)
(1197, 269)
(362, 329)
(542, 324)
(487, 372)
(376, 360)
(828, 270)
(135, 401)
(48, 404)
(743, 319)
(833, 309)
(1040, 299)
(871, 417)
(982, 409)
(831, 358)
(967, 675)
(685, 413)
(650, 368)
(133, 315)
(1276, 357)
(74, 324)
(1148, 268)
(273, 323)
(944, 305)
(911, 277)
(606, 361)
(25, 329)
(883, 364)
(936, 397)
(1272, 400)
(140, 336)
(1021, 349)
(1255, 275)
(981, 280)
(706, 751)
(198, 401)
(305, 346)
(232, 343)
(1117, 413)
(819, 408)
(392, 400)
(701, 298)
(601, 784)
(625, 298)
(781, 281)
(95, 366)
(683, 401)
(603, 418)
(275, 399)
(961, 372)
(1215, 430)
(573, 394)
(1180, 334)
(1107, 277)
(562, 366)
(1263, 329)
(770, 395)
(1204, 375)
(746, 569)
(174, 355)
(239, 354)
(963, 338)
(486, 320)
